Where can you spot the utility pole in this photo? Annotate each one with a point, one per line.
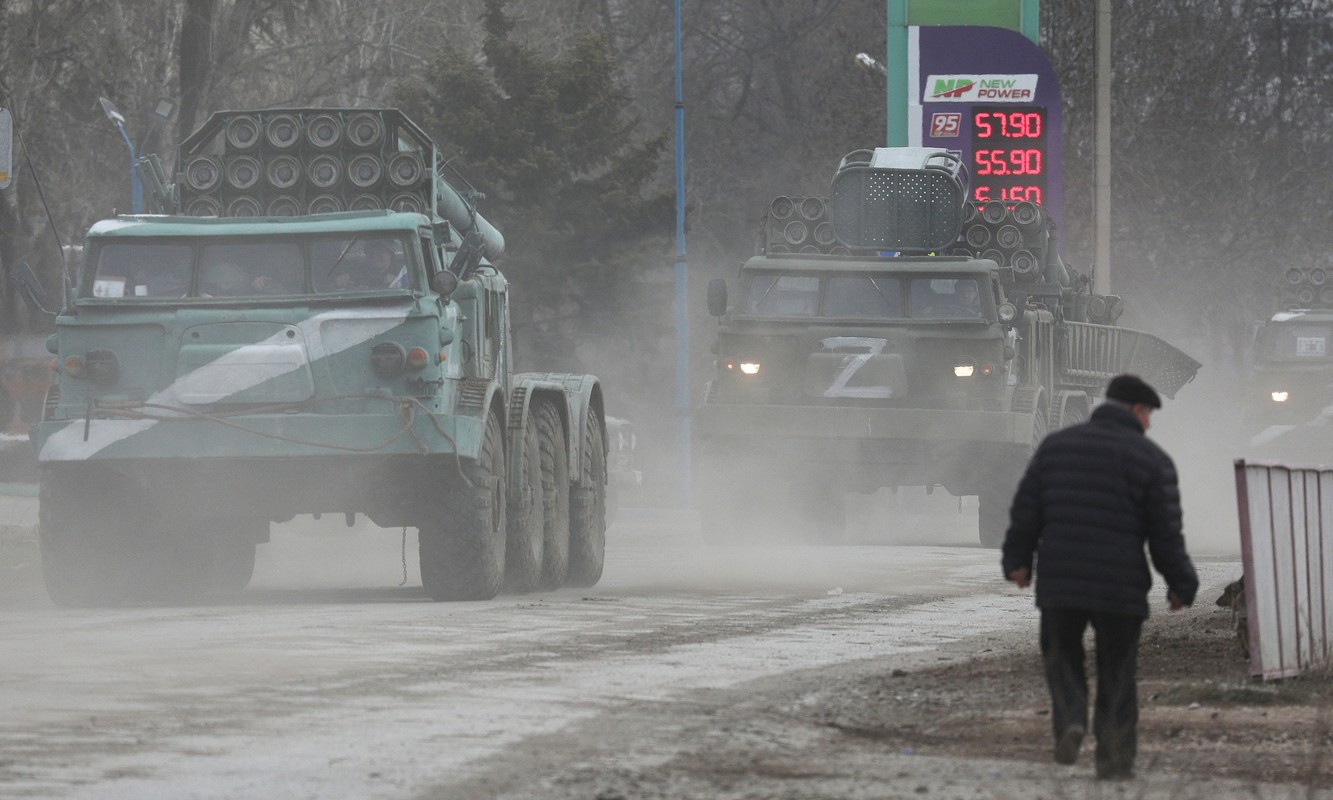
(1101, 201)
(682, 311)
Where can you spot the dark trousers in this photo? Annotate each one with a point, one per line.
(1117, 712)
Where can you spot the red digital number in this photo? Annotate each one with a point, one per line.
(1015, 193)
(984, 129)
(1014, 125)
(1008, 162)
(1025, 162)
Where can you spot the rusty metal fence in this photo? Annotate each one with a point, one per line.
(1286, 534)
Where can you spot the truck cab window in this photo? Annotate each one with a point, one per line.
(783, 296)
(864, 296)
(945, 298)
(142, 270)
(1299, 341)
(251, 269)
(360, 264)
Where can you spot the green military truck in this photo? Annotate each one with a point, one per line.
(893, 333)
(310, 322)
(1289, 386)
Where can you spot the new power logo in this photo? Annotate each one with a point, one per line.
(980, 88)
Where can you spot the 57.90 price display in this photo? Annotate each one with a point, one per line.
(1008, 153)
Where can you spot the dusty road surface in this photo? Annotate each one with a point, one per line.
(852, 671)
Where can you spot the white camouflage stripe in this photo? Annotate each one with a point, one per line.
(68, 443)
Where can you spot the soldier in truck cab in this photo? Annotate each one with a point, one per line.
(378, 271)
(962, 299)
(968, 296)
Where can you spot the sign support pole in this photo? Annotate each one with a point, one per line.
(1101, 273)
(681, 310)
(895, 62)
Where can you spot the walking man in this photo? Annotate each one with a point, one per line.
(1092, 497)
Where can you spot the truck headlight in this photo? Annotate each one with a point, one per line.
(964, 370)
(1279, 396)
(744, 367)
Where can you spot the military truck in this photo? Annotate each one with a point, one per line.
(1289, 386)
(893, 333)
(310, 322)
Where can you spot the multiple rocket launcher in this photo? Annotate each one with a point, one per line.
(290, 162)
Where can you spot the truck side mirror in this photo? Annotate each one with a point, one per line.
(469, 254)
(1016, 302)
(34, 294)
(717, 297)
(445, 283)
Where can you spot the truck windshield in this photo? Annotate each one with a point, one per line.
(1302, 341)
(945, 298)
(864, 297)
(251, 268)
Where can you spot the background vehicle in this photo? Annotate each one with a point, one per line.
(249, 353)
(854, 357)
(1289, 388)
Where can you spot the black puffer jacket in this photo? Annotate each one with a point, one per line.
(1092, 496)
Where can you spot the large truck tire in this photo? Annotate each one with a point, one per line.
(462, 549)
(554, 456)
(231, 564)
(523, 551)
(821, 511)
(739, 497)
(993, 517)
(587, 510)
(102, 544)
(994, 500)
(80, 564)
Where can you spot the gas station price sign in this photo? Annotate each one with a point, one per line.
(1009, 158)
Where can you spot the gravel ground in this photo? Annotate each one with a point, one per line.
(1200, 713)
(958, 724)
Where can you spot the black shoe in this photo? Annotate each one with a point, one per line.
(1066, 747)
(1114, 773)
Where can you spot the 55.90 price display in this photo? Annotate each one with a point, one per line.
(1008, 153)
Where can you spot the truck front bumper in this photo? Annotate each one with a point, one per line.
(255, 436)
(867, 448)
(268, 466)
(840, 423)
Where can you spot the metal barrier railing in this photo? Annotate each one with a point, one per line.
(1286, 535)
(1090, 355)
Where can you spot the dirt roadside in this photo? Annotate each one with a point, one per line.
(1200, 713)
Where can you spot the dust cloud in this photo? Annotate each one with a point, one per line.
(1201, 430)
(325, 553)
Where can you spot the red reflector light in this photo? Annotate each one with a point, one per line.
(417, 358)
(987, 368)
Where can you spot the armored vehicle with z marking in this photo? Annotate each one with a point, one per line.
(311, 323)
(894, 333)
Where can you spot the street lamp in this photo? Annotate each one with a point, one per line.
(868, 63)
(118, 120)
(162, 112)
